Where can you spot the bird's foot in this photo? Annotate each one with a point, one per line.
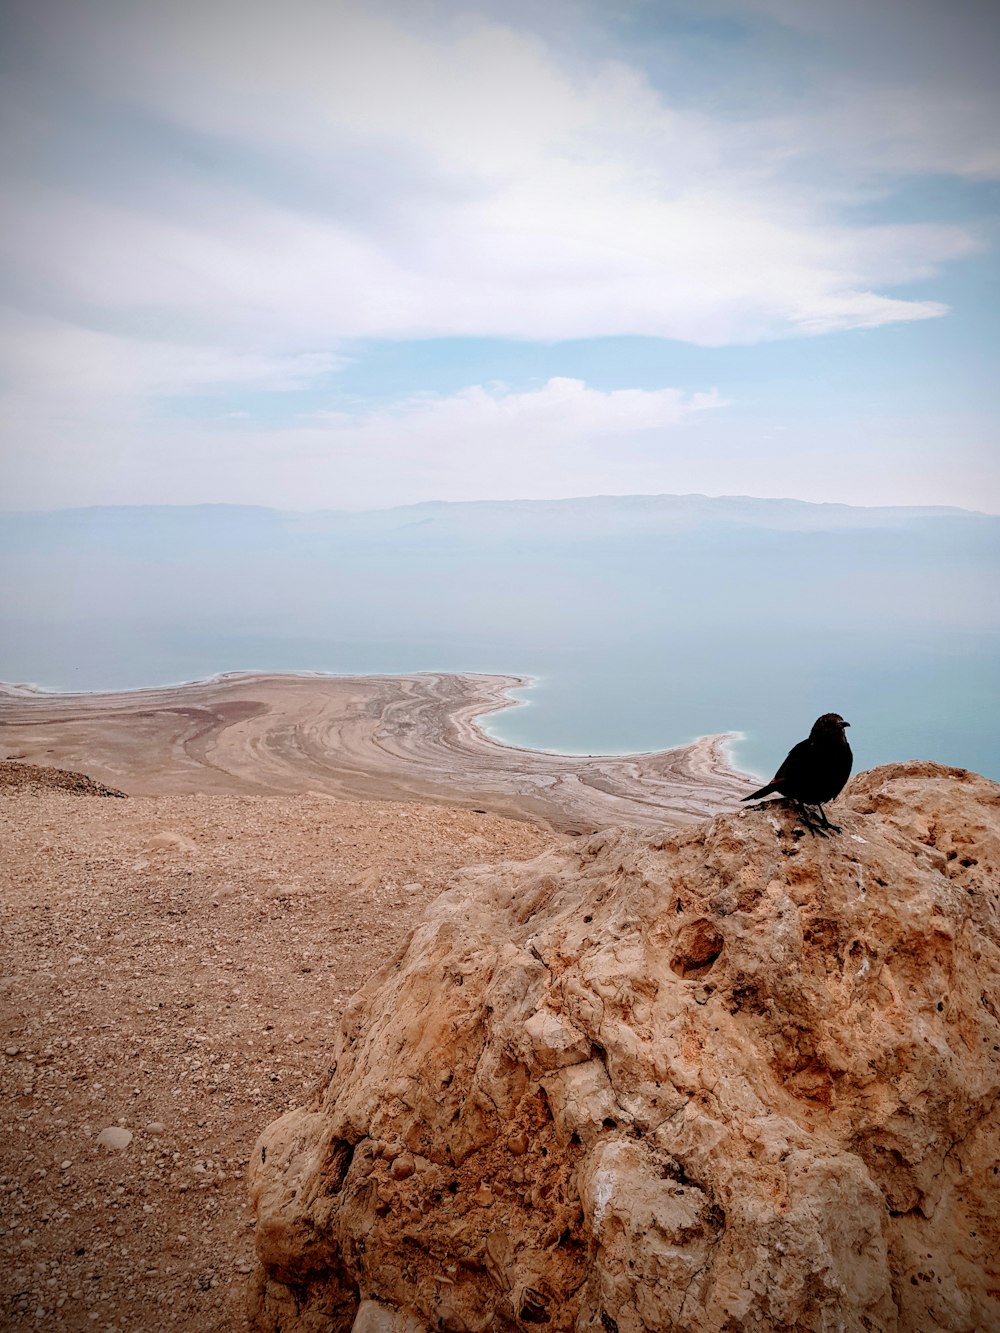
(816, 830)
(834, 828)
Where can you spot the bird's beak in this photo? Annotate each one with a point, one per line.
(847, 724)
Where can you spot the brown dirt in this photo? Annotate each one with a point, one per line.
(177, 966)
(30, 777)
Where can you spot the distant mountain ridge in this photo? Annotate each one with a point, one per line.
(585, 516)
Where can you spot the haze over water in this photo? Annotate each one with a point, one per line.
(646, 621)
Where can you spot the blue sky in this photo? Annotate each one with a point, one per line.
(343, 255)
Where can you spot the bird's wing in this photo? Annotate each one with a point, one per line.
(794, 761)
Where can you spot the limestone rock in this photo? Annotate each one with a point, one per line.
(375, 1318)
(115, 1137)
(170, 843)
(728, 1078)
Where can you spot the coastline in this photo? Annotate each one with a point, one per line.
(409, 737)
(727, 738)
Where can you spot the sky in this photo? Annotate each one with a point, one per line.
(321, 254)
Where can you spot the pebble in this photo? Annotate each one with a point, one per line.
(114, 1137)
(403, 1167)
(156, 1127)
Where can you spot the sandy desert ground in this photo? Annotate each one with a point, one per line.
(176, 966)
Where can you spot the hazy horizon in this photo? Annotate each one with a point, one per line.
(515, 500)
(646, 621)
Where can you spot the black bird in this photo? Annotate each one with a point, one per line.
(814, 771)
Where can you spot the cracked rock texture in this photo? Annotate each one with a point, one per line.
(728, 1078)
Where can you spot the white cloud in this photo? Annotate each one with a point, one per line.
(561, 408)
(545, 440)
(50, 361)
(560, 439)
(227, 195)
(898, 87)
(454, 182)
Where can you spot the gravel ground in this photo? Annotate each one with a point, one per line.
(174, 969)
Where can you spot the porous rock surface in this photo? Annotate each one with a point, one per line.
(729, 1078)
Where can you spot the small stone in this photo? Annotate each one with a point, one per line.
(114, 1137)
(517, 1144)
(403, 1167)
(65, 1166)
(155, 1127)
(12, 1051)
(484, 1197)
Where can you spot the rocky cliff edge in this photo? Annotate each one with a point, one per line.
(728, 1078)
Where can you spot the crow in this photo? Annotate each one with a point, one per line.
(814, 772)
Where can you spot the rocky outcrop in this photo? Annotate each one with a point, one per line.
(15, 776)
(733, 1077)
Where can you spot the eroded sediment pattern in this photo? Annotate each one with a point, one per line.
(386, 737)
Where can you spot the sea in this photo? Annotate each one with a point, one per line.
(641, 622)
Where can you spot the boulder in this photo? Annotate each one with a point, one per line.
(731, 1077)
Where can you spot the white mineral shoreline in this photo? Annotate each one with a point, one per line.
(415, 737)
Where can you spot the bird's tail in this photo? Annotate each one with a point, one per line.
(764, 791)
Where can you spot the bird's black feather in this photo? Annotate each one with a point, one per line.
(815, 770)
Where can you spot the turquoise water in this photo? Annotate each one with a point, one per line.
(591, 700)
(636, 640)
(578, 710)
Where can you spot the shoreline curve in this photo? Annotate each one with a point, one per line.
(412, 737)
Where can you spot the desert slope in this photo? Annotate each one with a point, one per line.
(175, 966)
